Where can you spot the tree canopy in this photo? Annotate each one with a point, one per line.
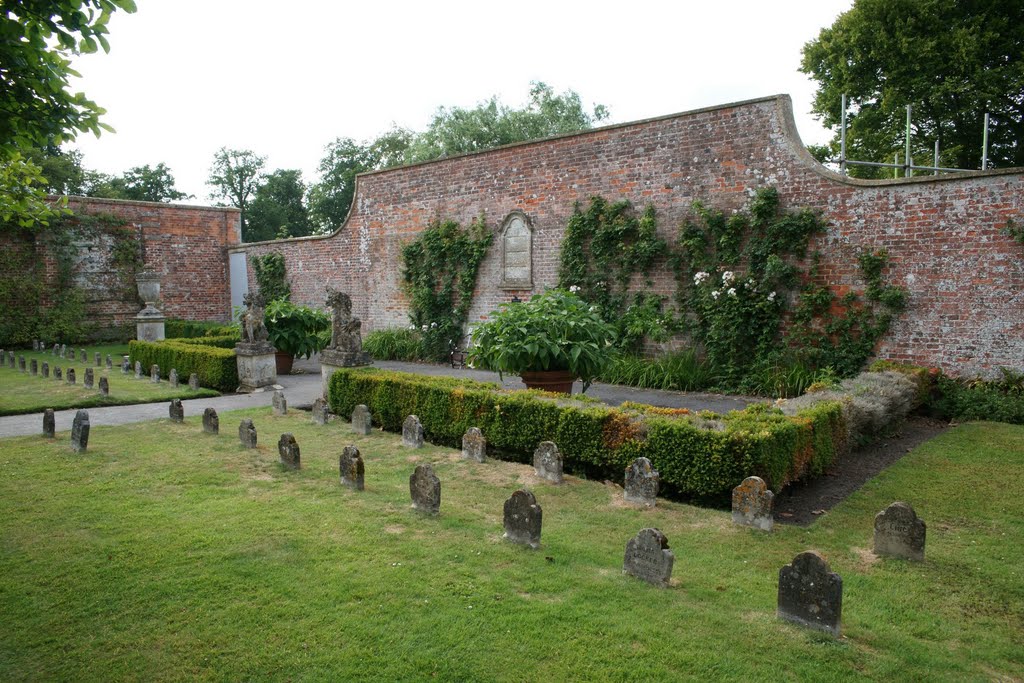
(952, 61)
(278, 208)
(234, 176)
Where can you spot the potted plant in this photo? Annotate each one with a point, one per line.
(295, 331)
(549, 341)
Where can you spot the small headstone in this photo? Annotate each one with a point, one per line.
(752, 504)
(154, 374)
(80, 430)
(810, 594)
(899, 533)
(523, 519)
(88, 379)
(288, 449)
(425, 489)
(648, 557)
(21, 363)
(247, 433)
(280, 403)
(138, 369)
(45, 369)
(321, 414)
(64, 351)
(99, 359)
(56, 350)
(362, 421)
(211, 423)
(83, 356)
(193, 382)
(474, 445)
(104, 386)
(33, 367)
(351, 468)
(110, 362)
(56, 372)
(172, 378)
(412, 432)
(71, 375)
(547, 462)
(641, 483)
(10, 358)
(126, 365)
(49, 423)
(35, 344)
(176, 411)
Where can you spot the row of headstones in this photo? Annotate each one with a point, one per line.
(154, 374)
(43, 370)
(61, 351)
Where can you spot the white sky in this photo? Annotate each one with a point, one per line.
(186, 77)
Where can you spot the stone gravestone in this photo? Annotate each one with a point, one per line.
(154, 374)
(547, 462)
(523, 519)
(193, 382)
(351, 468)
(474, 445)
(173, 378)
(320, 413)
(899, 533)
(64, 351)
(280, 403)
(126, 365)
(71, 375)
(247, 433)
(89, 378)
(752, 504)
(641, 483)
(99, 359)
(49, 423)
(21, 363)
(104, 387)
(56, 372)
(138, 369)
(46, 369)
(110, 362)
(83, 356)
(648, 557)
(810, 594)
(33, 367)
(80, 430)
(35, 344)
(211, 423)
(288, 449)
(56, 350)
(425, 489)
(10, 358)
(412, 432)
(176, 411)
(362, 421)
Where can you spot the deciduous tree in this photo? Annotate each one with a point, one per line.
(235, 175)
(278, 208)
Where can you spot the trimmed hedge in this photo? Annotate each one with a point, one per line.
(216, 367)
(190, 329)
(223, 342)
(703, 455)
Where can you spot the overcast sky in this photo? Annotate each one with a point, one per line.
(186, 77)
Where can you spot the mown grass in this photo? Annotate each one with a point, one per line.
(24, 393)
(167, 554)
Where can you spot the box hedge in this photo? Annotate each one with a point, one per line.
(176, 328)
(216, 367)
(703, 455)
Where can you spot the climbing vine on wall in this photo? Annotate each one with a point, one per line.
(271, 276)
(439, 275)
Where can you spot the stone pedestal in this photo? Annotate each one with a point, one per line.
(256, 366)
(333, 359)
(149, 323)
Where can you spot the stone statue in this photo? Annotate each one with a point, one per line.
(346, 335)
(253, 328)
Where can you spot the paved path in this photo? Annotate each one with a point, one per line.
(303, 388)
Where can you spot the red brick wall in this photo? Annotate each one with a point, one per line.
(966, 279)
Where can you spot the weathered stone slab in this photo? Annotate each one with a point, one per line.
(64, 351)
(89, 378)
(71, 376)
(154, 374)
(474, 445)
(49, 423)
(280, 403)
(247, 433)
(752, 504)
(257, 366)
(99, 359)
(45, 371)
(21, 363)
(547, 462)
(900, 533)
(56, 350)
(172, 378)
(351, 468)
(110, 362)
(211, 423)
(83, 356)
(33, 367)
(57, 372)
(523, 519)
(10, 359)
(810, 594)
(176, 411)
(648, 557)
(126, 365)
(288, 449)
(320, 414)
(425, 489)
(80, 431)
(412, 432)
(362, 421)
(193, 382)
(138, 369)
(641, 483)
(104, 387)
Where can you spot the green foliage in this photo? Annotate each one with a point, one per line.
(394, 344)
(679, 371)
(439, 270)
(1000, 400)
(1014, 231)
(555, 330)
(953, 61)
(176, 328)
(23, 201)
(297, 330)
(271, 275)
(223, 341)
(234, 176)
(140, 183)
(215, 367)
(278, 208)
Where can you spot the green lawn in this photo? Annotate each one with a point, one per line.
(23, 393)
(166, 554)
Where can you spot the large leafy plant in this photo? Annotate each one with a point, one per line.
(555, 330)
(297, 330)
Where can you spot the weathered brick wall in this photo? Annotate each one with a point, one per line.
(966, 279)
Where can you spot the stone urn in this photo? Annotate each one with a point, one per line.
(149, 322)
(148, 283)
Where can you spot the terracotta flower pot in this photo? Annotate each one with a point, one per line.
(284, 362)
(557, 381)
